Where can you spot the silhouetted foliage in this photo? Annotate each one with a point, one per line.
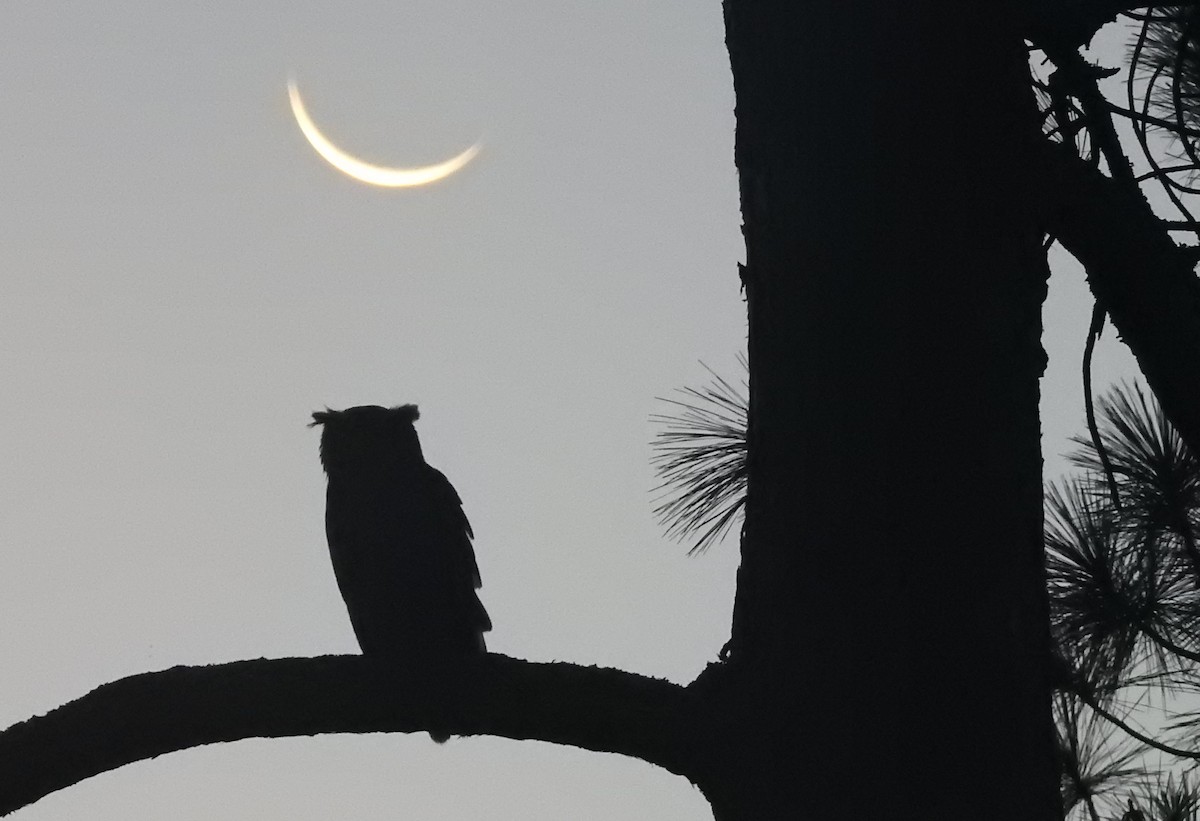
(1096, 761)
(1170, 55)
(701, 460)
(1162, 94)
(1166, 800)
(1158, 475)
(1100, 592)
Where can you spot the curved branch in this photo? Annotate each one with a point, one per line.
(1132, 732)
(1141, 277)
(149, 714)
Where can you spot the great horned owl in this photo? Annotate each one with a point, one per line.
(399, 540)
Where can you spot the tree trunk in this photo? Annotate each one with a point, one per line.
(890, 634)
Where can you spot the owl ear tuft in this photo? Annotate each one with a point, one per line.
(321, 417)
(407, 412)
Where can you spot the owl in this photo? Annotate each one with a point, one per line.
(399, 540)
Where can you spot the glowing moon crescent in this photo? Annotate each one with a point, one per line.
(364, 171)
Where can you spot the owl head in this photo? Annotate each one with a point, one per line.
(369, 438)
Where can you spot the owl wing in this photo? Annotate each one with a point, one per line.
(463, 570)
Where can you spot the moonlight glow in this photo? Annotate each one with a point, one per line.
(366, 172)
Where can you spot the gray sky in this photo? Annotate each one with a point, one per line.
(184, 281)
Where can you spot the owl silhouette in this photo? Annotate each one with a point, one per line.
(399, 540)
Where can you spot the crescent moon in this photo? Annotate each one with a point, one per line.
(364, 171)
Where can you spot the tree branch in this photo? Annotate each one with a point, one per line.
(1142, 278)
(146, 715)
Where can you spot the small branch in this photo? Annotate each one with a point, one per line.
(1150, 119)
(1089, 406)
(1094, 703)
(150, 714)
(1168, 645)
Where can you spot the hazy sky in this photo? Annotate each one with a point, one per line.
(184, 281)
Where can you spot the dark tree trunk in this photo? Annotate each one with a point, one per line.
(890, 632)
